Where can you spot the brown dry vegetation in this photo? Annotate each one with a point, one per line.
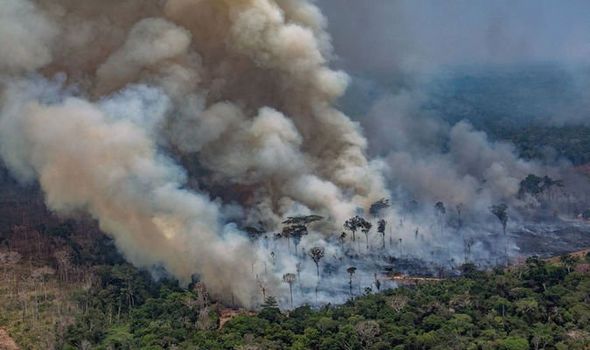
(40, 266)
(36, 303)
(6, 342)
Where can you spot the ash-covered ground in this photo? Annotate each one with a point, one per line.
(547, 240)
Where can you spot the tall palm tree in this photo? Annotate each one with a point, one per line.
(352, 225)
(366, 227)
(316, 254)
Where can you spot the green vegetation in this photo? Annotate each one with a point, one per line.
(535, 107)
(33, 308)
(539, 305)
(533, 142)
(68, 301)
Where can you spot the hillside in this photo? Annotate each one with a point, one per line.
(65, 286)
(45, 261)
(537, 305)
(540, 305)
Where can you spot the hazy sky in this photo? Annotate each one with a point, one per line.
(392, 35)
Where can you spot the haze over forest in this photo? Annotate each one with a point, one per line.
(277, 155)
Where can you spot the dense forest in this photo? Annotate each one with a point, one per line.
(65, 286)
(537, 108)
(71, 289)
(539, 305)
(540, 142)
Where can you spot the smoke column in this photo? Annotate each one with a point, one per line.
(104, 103)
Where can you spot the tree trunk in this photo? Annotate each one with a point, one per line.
(505, 246)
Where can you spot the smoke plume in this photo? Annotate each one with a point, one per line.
(172, 121)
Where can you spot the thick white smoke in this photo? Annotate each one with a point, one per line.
(430, 160)
(27, 37)
(102, 159)
(239, 90)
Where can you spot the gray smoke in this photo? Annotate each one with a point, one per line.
(410, 36)
(532, 54)
(532, 58)
(434, 161)
(407, 48)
